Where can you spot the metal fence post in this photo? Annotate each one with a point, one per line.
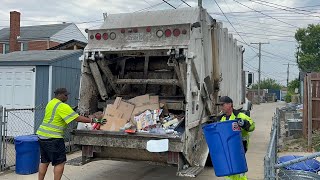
(1, 138)
(266, 168)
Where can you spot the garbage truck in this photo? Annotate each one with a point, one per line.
(184, 57)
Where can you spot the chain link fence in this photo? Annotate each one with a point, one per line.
(288, 167)
(19, 122)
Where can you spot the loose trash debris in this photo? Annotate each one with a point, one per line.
(140, 114)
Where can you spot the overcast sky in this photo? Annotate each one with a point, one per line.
(268, 21)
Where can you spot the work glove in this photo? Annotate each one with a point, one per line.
(244, 124)
(99, 121)
(98, 115)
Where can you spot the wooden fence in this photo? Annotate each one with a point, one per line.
(311, 102)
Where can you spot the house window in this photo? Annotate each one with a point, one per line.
(6, 48)
(24, 46)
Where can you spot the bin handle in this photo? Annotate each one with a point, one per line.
(18, 142)
(212, 126)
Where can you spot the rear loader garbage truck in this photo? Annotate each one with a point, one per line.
(157, 76)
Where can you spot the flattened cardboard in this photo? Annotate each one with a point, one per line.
(143, 103)
(117, 115)
(124, 107)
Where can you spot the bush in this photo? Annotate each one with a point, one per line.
(287, 98)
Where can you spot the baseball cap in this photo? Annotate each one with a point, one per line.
(225, 99)
(61, 91)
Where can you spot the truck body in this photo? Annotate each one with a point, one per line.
(184, 56)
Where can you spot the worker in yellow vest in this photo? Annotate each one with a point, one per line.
(245, 122)
(58, 115)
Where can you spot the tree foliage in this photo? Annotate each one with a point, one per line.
(309, 48)
(268, 84)
(291, 87)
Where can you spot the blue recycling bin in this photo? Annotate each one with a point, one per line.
(310, 165)
(226, 149)
(27, 154)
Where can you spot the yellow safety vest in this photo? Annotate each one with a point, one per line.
(57, 116)
(244, 133)
(245, 136)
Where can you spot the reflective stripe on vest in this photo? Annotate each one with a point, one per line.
(50, 130)
(54, 111)
(67, 117)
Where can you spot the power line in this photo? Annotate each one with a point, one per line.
(275, 55)
(185, 3)
(231, 24)
(286, 7)
(250, 59)
(263, 31)
(257, 36)
(235, 18)
(284, 26)
(169, 4)
(267, 4)
(150, 7)
(265, 14)
(147, 2)
(281, 35)
(271, 10)
(260, 28)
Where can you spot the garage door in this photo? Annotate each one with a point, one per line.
(17, 87)
(17, 91)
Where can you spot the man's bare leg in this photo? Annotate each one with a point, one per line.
(58, 171)
(42, 170)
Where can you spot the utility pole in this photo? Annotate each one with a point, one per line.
(288, 73)
(259, 69)
(200, 3)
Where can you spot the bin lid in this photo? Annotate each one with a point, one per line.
(311, 165)
(27, 138)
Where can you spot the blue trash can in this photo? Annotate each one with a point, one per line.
(27, 154)
(310, 165)
(226, 149)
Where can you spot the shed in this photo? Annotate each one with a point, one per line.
(29, 78)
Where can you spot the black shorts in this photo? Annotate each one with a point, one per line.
(245, 145)
(53, 150)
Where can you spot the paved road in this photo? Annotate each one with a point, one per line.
(114, 170)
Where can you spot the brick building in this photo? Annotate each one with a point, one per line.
(42, 37)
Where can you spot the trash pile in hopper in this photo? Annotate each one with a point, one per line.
(141, 114)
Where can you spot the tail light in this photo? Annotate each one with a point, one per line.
(91, 36)
(105, 36)
(176, 32)
(112, 36)
(184, 31)
(148, 29)
(167, 33)
(98, 36)
(159, 33)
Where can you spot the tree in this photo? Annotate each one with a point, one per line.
(291, 89)
(309, 48)
(268, 84)
(293, 85)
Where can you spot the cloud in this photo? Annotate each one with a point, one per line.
(252, 26)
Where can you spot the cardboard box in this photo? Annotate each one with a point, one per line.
(117, 115)
(143, 103)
